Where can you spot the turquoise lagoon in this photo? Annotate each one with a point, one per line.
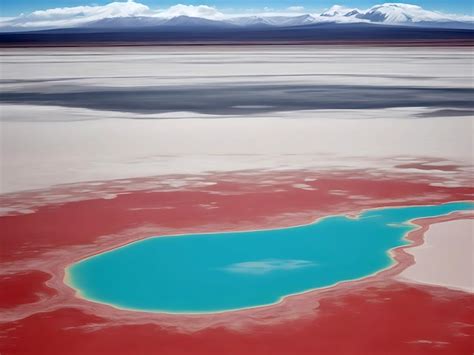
(201, 273)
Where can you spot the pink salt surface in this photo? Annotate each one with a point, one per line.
(55, 234)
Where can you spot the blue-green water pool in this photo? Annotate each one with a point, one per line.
(226, 271)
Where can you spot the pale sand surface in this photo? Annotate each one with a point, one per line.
(43, 146)
(446, 257)
(41, 154)
(141, 66)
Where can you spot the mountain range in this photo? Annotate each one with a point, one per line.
(132, 15)
(131, 23)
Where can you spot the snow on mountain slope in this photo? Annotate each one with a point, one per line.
(272, 20)
(393, 14)
(187, 21)
(138, 22)
(397, 13)
(337, 11)
(77, 15)
(250, 21)
(126, 22)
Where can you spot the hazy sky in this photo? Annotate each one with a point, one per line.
(16, 7)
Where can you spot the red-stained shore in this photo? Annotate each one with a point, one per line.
(376, 315)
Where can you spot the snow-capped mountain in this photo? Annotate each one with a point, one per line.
(396, 13)
(393, 14)
(131, 14)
